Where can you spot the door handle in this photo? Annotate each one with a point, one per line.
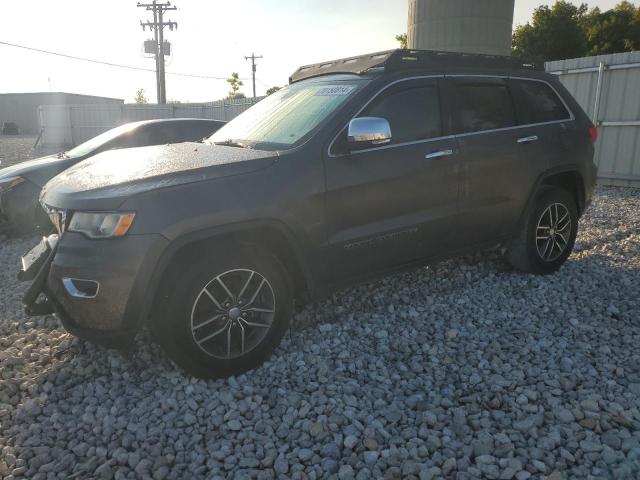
(441, 153)
(532, 138)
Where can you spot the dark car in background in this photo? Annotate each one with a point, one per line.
(20, 184)
(10, 128)
(360, 167)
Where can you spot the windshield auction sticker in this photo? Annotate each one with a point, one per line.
(335, 91)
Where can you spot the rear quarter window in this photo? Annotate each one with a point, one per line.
(536, 102)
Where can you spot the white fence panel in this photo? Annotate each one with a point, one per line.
(614, 107)
(135, 113)
(65, 126)
(86, 123)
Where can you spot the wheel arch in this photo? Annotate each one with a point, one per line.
(271, 235)
(569, 178)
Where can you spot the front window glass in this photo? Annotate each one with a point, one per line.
(284, 118)
(97, 142)
(413, 113)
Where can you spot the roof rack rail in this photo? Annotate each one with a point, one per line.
(401, 59)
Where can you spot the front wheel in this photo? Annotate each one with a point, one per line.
(546, 234)
(227, 313)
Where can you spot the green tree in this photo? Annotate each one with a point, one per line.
(554, 33)
(613, 31)
(402, 39)
(272, 90)
(140, 97)
(235, 83)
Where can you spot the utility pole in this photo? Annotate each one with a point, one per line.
(253, 69)
(157, 26)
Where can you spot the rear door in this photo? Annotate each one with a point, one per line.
(393, 204)
(547, 129)
(497, 171)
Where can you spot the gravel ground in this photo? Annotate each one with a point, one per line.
(461, 370)
(15, 149)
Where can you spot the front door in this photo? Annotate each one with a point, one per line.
(393, 204)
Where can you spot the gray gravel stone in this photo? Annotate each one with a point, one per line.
(305, 454)
(350, 441)
(370, 457)
(346, 472)
(281, 465)
(463, 370)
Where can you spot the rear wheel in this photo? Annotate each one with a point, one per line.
(227, 313)
(547, 233)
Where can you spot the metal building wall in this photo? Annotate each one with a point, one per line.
(607, 87)
(65, 126)
(22, 108)
(469, 26)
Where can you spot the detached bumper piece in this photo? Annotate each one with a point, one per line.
(36, 265)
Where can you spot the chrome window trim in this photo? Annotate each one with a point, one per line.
(571, 117)
(387, 147)
(518, 127)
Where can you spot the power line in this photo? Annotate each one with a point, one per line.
(109, 64)
(261, 82)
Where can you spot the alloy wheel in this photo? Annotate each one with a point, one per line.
(553, 232)
(232, 314)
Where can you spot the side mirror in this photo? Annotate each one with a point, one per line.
(368, 131)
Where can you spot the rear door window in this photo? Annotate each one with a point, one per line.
(200, 130)
(537, 102)
(139, 137)
(482, 105)
(161, 133)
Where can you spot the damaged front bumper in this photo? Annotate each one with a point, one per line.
(37, 301)
(94, 287)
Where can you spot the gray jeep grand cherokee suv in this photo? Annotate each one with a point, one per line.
(360, 167)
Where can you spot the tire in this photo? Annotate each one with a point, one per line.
(529, 251)
(192, 314)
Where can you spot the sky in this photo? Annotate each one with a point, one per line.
(212, 39)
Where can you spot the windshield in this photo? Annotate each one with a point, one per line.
(282, 119)
(97, 142)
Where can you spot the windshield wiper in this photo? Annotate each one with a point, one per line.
(232, 143)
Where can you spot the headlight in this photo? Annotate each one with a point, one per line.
(7, 184)
(101, 225)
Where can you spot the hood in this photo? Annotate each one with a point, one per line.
(104, 181)
(38, 171)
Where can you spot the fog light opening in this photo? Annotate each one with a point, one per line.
(81, 288)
